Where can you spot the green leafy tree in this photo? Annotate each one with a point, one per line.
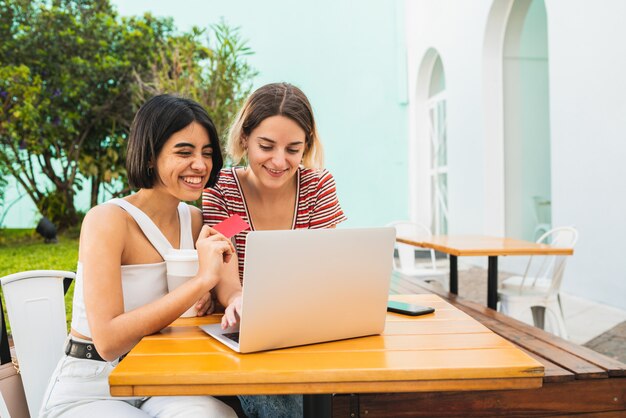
(103, 157)
(72, 75)
(66, 87)
(207, 66)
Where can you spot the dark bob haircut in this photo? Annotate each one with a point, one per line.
(155, 122)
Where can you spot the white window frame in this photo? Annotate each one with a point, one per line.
(438, 137)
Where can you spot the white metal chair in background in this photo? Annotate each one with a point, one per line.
(406, 263)
(36, 309)
(538, 289)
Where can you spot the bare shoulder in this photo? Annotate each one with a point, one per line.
(105, 220)
(196, 221)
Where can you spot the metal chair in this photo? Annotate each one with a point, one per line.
(539, 287)
(406, 262)
(35, 306)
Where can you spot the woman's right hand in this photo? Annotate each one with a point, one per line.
(214, 250)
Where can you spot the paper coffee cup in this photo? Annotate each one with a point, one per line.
(181, 266)
(181, 262)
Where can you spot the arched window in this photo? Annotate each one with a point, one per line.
(429, 159)
(436, 104)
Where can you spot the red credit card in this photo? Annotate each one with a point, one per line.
(231, 226)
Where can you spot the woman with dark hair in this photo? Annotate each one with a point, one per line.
(281, 186)
(121, 290)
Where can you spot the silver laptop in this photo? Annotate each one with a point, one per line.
(310, 286)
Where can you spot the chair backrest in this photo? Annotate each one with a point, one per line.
(564, 236)
(416, 231)
(36, 309)
(552, 267)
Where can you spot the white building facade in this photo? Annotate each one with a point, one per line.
(517, 114)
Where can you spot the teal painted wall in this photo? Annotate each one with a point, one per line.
(348, 57)
(19, 211)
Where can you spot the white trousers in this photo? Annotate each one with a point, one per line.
(80, 388)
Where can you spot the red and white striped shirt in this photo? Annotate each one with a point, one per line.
(316, 197)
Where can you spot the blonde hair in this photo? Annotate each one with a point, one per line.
(276, 99)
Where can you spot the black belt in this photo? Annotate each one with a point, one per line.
(82, 350)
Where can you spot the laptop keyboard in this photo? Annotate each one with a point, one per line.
(232, 336)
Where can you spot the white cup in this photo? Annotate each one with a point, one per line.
(181, 266)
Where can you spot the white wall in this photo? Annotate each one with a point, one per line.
(587, 90)
(440, 25)
(588, 112)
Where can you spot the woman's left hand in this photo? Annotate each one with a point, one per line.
(232, 313)
(205, 305)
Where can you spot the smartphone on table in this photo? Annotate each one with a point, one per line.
(408, 308)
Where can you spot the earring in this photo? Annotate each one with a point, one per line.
(150, 171)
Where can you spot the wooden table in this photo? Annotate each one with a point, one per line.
(444, 351)
(479, 245)
(577, 381)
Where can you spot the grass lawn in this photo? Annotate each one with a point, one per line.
(23, 249)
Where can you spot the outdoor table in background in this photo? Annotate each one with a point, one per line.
(478, 245)
(444, 351)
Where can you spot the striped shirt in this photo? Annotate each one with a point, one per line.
(316, 200)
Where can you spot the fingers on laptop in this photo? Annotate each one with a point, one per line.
(231, 314)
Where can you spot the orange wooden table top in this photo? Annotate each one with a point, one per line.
(479, 245)
(443, 351)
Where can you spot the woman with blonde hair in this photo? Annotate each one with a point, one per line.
(281, 186)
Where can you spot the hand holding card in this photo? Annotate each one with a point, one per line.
(231, 226)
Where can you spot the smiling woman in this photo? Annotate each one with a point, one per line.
(165, 122)
(121, 291)
(275, 149)
(282, 187)
(185, 162)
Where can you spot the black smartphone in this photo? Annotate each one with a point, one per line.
(408, 308)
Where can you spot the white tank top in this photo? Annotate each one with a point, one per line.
(141, 283)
